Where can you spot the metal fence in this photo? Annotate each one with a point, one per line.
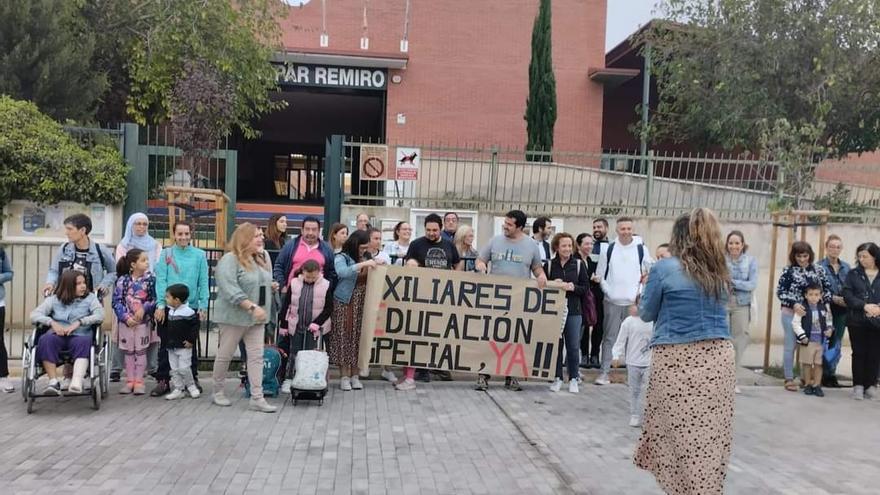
(496, 179)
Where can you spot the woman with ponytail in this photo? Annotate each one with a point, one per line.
(686, 438)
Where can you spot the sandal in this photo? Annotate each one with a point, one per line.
(791, 386)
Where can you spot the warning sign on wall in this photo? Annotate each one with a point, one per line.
(374, 162)
(408, 163)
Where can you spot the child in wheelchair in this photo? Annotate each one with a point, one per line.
(70, 314)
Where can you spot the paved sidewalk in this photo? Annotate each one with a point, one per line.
(444, 438)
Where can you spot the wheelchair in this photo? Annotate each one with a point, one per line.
(96, 382)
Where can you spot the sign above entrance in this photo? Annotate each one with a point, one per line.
(327, 76)
(408, 163)
(374, 162)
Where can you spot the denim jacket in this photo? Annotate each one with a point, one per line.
(744, 273)
(346, 277)
(836, 279)
(103, 266)
(88, 310)
(681, 311)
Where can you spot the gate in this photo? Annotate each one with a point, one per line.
(155, 163)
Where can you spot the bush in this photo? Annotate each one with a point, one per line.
(40, 162)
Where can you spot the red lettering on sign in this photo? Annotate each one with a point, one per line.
(498, 354)
(518, 357)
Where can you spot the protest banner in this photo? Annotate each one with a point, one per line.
(460, 321)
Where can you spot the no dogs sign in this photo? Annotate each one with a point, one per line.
(374, 162)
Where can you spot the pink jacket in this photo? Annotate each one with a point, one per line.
(321, 301)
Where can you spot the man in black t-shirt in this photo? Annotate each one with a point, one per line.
(430, 251)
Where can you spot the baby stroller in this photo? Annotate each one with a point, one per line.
(96, 382)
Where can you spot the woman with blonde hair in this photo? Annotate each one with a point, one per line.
(464, 244)
(244, 301)
(686, 438)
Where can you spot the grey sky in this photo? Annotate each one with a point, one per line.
(624, 18)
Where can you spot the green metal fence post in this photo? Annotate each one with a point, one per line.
(333, 171)
(231, 188)
(137, 181)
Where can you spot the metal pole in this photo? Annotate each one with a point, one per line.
(334, 172)
(773, 247)
(646, 101)
(493, 178)
(649, 185)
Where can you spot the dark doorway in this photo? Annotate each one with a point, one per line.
(286, 163)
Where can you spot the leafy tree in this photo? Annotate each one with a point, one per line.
(45, 57)
(39, 161)
(237, 39)
(541, 104)
(728, 70)
(838, 200)
(202, 106)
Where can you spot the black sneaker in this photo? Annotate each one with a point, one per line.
(423, 376)
(482, 383)
(808, 390)
(161, 389)
(512, 384)
(817, 391)
(443, 375)
(115, 376)
(830, 382)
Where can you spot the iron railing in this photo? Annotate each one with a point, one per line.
(494, 180)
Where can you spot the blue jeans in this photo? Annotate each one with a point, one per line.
(571, 341)
(790, 343)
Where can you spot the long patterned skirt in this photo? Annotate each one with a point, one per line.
(687, 433)
(346, 335)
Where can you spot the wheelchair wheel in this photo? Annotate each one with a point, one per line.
(30, 404)
(96, 394)
(104, 367)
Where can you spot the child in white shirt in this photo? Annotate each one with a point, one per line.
(633, 345)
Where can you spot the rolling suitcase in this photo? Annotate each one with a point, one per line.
(310, 374)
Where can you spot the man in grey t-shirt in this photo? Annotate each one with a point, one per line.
(512, 254)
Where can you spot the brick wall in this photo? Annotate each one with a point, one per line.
(467, 75)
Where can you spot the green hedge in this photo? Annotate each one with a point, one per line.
(41, 162)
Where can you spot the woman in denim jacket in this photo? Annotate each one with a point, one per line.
(686, 438)
(801, 272)
(352, 265)
(744, 277)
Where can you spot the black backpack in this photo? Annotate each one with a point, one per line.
(641, 248)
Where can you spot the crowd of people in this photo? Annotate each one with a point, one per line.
(624, 306)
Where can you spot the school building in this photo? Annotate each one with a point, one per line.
(413, 72)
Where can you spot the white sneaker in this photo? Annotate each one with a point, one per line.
(176, 394)
(356, 383)
(221, 400)
(285, 387)
(634, 421)
(6, 385)
(736, 389)
(389, 375)
(53, 387)
(407, 384)
(573, 386)
(345, 384)
(871, 393)
(193, 391)
(858, 392)
(557, 385)
(65, 384)
(603, 379)
(262, 406)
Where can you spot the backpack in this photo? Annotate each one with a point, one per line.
(588, 302)
(641, 248)
(271, 363)
(66, 265)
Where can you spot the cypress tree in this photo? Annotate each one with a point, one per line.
(541, 103)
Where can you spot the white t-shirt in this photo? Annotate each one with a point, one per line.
(634, 341)
(625, 274)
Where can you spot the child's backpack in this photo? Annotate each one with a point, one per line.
(271, 363)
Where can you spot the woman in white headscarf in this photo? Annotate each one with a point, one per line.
(137, 236)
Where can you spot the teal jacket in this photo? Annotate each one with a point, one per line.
(235, 284)
(183, 266)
